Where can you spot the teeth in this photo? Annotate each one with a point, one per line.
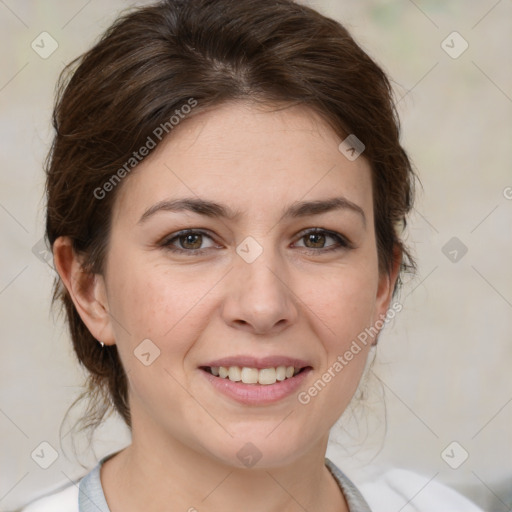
(265, 376)
(250, 375)
(281, 372)
(235, 374)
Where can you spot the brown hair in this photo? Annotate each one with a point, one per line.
(149, 64)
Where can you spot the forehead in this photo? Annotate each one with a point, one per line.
(254, 159)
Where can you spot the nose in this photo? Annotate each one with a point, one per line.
(259, 296)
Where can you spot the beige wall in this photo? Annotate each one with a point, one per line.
(444, 363)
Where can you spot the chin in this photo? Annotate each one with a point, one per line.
(259, 449)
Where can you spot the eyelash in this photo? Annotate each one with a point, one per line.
(342, 242)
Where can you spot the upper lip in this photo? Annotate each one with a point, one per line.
(258, 362)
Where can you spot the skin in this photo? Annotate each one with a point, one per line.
(295, 299)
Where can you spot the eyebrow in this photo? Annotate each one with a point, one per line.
(213, 209)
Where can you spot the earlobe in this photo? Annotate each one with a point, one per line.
(386, 287)
(387, 282)
(87, 290)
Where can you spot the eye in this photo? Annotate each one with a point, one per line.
(189, 240)
(315, 240)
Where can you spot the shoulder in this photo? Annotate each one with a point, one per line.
(395, 488)
(64, 500)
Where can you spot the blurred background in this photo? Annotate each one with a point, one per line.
(438, 399)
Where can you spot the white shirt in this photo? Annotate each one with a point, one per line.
(396, 489)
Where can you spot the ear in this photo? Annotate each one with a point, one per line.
(385, 288)
(87, 291)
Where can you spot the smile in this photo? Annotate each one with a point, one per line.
(247, 375)
(256, 381)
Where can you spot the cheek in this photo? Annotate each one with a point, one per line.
(340, 310)
(152, 302)
(343, 303)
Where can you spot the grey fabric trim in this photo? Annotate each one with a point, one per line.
(355, 500)
(92, 499)
(90, 491)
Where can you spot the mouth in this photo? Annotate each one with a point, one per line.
(256, 382)
(249, 375)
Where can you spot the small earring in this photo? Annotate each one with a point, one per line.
(101, 343)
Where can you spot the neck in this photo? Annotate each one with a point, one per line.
(153, 474)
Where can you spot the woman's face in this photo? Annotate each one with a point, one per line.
(253, 291)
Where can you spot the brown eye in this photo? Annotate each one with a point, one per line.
(315, 241)
(190, 241)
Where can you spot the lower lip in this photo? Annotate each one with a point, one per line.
(257, 394)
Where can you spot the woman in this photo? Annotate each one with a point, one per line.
(225, 192)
